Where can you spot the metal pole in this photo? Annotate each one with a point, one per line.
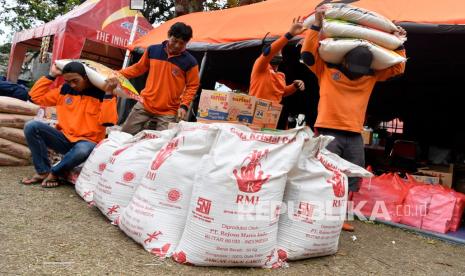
(190, 111)
(122, 101)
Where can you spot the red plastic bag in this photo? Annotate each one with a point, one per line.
(440, 210)
(416, 205)
(458, 210)
(380, 197)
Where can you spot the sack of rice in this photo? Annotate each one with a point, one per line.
(15, 106)
(14, 149)
(342, 29)
(13, 134)
(333, 50)
(316, 200)
(97, 162)
(355, 15)
(98, 73)
(156, 215)
(14, 120)
(234, 210)
(8, 160)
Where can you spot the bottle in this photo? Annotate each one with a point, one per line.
(375, 140)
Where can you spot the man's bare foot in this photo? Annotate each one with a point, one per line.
(51, 181)
(35, 179)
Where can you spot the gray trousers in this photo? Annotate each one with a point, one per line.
(139, 119)
(349, 146)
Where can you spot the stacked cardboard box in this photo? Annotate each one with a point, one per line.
(238, 108)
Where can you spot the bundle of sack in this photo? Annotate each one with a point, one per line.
(346, 27)
(277, 196)
(14, 114)
(425, 206)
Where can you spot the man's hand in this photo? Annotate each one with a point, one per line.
(181, 114)
(54, 71)
(297, 27)
(111, 84)
(401, 32)
(299, 85)
(319, 15)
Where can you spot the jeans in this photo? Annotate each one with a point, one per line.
(40, 136)
(349, 146)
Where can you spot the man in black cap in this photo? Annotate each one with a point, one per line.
(345, 90)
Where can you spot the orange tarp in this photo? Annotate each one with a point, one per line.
(252, 22)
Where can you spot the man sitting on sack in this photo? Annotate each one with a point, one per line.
(83, 112)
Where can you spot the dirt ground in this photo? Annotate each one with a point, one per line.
(52, 231)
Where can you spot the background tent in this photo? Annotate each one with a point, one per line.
(427, 98)
(97, 29)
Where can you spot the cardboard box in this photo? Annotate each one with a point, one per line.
(274, 112)
(367, 136)
(426, 179)
(266, 114)
(214, 105)
(241, 108)
(443, 173)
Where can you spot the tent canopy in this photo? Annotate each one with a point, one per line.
(81, 33)
(245, 26)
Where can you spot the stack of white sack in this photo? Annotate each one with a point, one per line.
(157, 213)
(346, 27)
(125, 169)
(97, 162)
(316, 200)
(14, 114)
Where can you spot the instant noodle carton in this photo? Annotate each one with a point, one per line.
(241, 108)
(266, 113)
(214, 105)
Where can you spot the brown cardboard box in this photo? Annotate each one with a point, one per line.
(266, 114)
(274, 112)
(444, 173)
(214, 105)
(241, 108)
(366, 136)
(426, 179)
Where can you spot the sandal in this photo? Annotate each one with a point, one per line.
(35, 179)
(51, 183)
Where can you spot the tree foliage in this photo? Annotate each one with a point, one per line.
(24, 14)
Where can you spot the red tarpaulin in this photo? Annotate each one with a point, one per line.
(97, 29)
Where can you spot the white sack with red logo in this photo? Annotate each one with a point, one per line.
(316, 199)
(96, 163)
(126, 167)
(157, 213)
(234, 210)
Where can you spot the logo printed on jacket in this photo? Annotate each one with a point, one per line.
(176, 72)
(68, 100)
(336, 76)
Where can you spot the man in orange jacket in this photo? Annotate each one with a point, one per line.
(345, 90)
(172, 82)
(265, 81)
(83, 111)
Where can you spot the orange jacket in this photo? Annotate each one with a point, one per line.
(265, 83)
(81, 115)
(172, 80)
(343, 102)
